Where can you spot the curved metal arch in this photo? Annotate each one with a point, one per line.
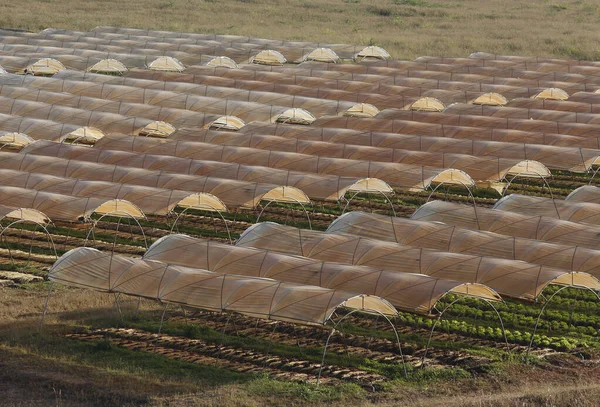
(459, 181)
(363, 192)
(181, 214)
(96, 221)
(74, 141)
(270, 201)
(346, 316)
(468, 190)
(440, 318)
(537, 322)
(5, 145)
(517, 175)
(44, 228)
(594, 172)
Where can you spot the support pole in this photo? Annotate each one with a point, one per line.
(222, 340)
(275, 325)
(137, 310)
(46, 305)
(118, 305)
(162, 318)
(184, 315)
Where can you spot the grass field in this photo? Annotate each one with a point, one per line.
(87, 354)
(406, 28)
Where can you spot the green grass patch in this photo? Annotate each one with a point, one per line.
(102, 354)
(269, 388)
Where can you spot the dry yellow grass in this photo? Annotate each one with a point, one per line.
(407, 28)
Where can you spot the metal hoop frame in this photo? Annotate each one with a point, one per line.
(368, 192)
(594, 172)
(544, 308)
(182, 213)
(517, 176)
(44, 228)
(448, 183)
(346, 316)
(440, 318)
(75, 141)
(269, 202)
(128, 216)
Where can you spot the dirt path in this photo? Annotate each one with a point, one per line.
(534, 394)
